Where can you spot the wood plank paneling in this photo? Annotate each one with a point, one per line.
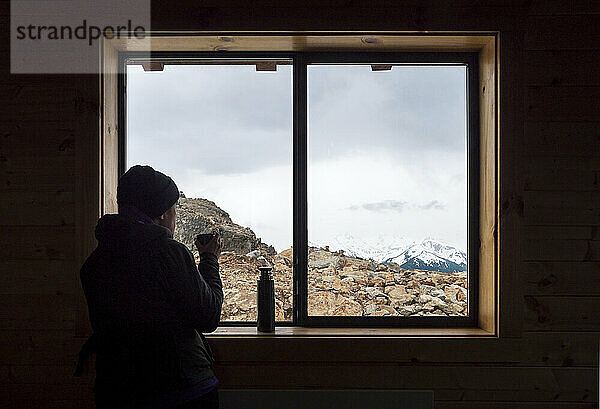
(37, 174)
(33, 312)
(519, 398)
(399, 350)
(47, 396)
(562, 68)
(560, 349)
(550, 104)
(39, 277)
(20, 208)
(551, 178)
(563, 215)
(534, 349)
(562, 250)
(552, 313)
(21, 139)
(37, 243)
(561, 232)
(51, 102)
(510, 183)
(561, 278)
(571, 139)
(39, 347)
(575, 32)
(511, 405)
(558, 7)
(563, 208)
(569, 163)
(490, 383)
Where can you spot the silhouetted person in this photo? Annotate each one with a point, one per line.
(149, 303)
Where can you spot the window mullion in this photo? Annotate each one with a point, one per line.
(300, 251)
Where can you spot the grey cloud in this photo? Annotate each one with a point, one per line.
(434, 204)
(408, 111)
(223, 122)
(397, 206)
(393, 205)
(217, 120)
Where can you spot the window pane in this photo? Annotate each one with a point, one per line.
(387, 190)
(223, 131)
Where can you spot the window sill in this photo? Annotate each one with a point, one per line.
(234, 346)
(304, 332)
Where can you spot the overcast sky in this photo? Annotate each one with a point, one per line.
(386, 149)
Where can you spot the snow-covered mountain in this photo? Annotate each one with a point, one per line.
(377, 249)
(431, 255)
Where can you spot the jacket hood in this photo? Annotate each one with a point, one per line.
(117, 229)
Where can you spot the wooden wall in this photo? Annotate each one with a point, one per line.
(550, 119)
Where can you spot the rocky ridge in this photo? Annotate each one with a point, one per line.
(195, 215)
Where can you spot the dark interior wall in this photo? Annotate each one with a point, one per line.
(550, 50)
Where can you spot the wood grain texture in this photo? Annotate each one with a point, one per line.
(110, 131)
(35, 347)
(360, 349)
(570, 140)
(281, 331)
(552, 104)
(561, 278)
(37, 243)
(554, 313)
(28, 174)
(39, 277)
(573, 32)
(510, 182)
(560, 349)
(27, 139)
(549, 178)
(488, 189)
(511, 405)
(33, 311)
(579, 210)
(87, 192)
(562, 68)
(559, 7)
(21, 208)
(489, 383)
(562, 250)
(533, 349)
(558, 231)
(384, 42)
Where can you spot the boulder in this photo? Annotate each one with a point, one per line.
(402, 299)
(330, 304)
(398, 291)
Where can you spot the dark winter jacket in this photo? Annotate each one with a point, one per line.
(148, 304)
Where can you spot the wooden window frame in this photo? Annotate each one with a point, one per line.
(483, 44)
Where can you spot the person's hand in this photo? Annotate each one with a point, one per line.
(213, 246)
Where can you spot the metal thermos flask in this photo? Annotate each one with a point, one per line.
(266, 300)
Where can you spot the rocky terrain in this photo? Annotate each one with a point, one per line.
(339, 285)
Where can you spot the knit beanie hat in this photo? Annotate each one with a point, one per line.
(149, 190)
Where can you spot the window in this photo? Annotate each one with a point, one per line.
(365, 164)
